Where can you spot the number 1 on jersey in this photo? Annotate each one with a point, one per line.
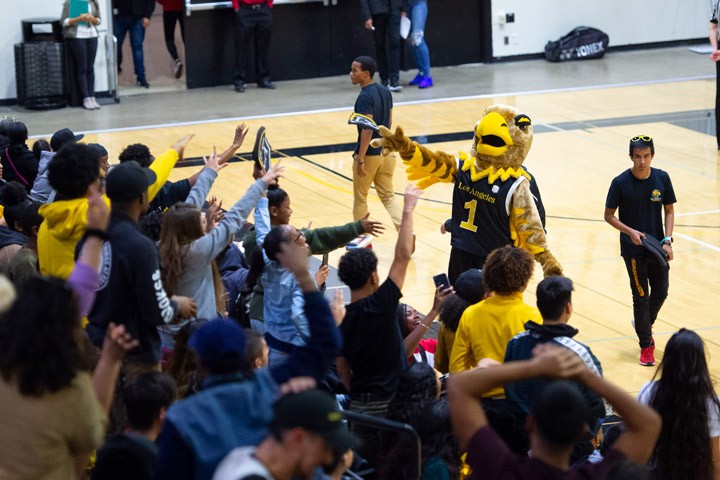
(469, 224)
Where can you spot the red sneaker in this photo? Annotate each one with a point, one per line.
(647, 356)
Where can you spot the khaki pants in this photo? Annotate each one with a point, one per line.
(379, 170)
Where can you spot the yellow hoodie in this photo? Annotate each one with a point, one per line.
(66, 220)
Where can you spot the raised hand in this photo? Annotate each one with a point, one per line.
(98, 214)
(118, 342)
(321, 275)
(412, 194)
(557, 362)
(180, 145)
(241, 132)
(372, 227)
(213, 162)
(214, 214)
(337, 307)
(274, 174)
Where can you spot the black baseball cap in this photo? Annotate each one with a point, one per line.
(654, 246)
(128, 181)
(469, 286)
(61, 137)
(317, 412)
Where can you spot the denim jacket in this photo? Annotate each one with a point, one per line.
(283, 300)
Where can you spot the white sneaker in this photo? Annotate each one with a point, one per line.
(95, 103)
(178, 68)
(88, 104)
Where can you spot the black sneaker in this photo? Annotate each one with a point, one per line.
(143, 83)
(395, 88)
(240, 87)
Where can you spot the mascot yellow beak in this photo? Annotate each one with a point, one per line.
(493, 136)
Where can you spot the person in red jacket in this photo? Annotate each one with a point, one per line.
(172, 14)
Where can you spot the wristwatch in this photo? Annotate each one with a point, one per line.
(667, 241)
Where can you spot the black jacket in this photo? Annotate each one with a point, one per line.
(131, 290)
(19, 164)
(377, 7)
(142, 8)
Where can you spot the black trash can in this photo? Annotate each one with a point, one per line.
(40, 65)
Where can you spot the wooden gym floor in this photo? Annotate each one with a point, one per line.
(581, 137)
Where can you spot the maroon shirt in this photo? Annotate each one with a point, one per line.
(490, 458)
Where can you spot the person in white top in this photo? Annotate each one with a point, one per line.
(81, 36)
(684, 397)
(307, 432)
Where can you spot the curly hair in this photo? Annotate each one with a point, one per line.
(438, 442)
(14, 198)
(180, 227)
(138, 152)
(356, 267)
(507, 270)
(417, 388)
(72, 170)
(39, 337)
(451, 310)
(682, 396)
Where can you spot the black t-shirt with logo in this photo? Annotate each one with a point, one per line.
(640, 205)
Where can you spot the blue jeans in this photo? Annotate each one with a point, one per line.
(123, 24)
(418, 15)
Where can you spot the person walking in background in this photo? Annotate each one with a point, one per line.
(370, 165)
(643, 194)
(383, 18)
(81, 36)
(132, 16)
(715, 57)
(253, 18)
(417, 10)
(172, 14)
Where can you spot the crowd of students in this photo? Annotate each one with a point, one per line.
(119, 357)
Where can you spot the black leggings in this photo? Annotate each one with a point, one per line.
(169, 19)
(83, 51)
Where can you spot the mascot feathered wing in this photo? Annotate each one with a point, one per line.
(502, 141)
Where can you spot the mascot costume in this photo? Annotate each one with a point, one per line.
(495, 199)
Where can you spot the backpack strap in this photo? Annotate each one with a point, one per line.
(7, 154)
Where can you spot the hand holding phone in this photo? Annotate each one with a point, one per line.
(325, 258)
(441, 280)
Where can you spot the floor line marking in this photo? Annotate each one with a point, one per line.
(688, 214)
(413, 102)
(699, 242)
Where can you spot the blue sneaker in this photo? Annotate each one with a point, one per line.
(426, 82)
(418, 78)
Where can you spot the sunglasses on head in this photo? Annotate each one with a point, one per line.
(644, 138)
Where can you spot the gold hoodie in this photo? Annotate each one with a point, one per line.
(66, 220)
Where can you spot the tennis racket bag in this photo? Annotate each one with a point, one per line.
(580, 44)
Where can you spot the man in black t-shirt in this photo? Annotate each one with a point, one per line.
(373, 355)
(643, 194)
(369, 164)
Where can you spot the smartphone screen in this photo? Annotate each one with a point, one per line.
(441, 280)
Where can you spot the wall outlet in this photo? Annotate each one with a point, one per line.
(501, 17)
(510, 17)
(515, 39)
(506, 40)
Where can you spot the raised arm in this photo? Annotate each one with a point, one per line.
(315, 358)
(642, 423)
(163, 165)
(404, 244)
(466, 388)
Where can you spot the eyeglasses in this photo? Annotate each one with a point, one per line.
(300, 234)
(644, 138)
